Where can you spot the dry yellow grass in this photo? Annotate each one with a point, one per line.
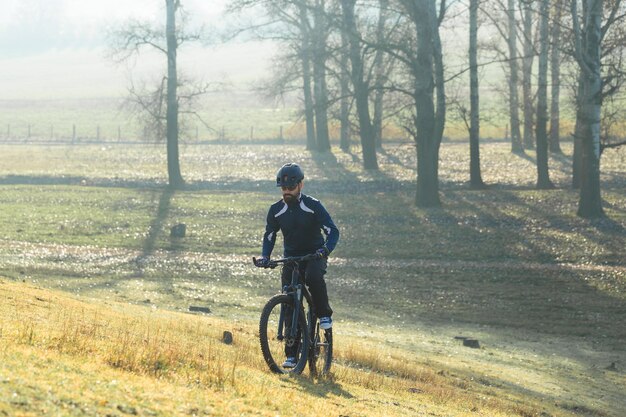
(63, 356)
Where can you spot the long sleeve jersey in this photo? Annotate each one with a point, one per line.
(302, 224)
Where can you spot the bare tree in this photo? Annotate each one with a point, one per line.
(543, 177)
(516, 137)
(425, 65)
(555, 74)
(344, 86)
(305, 52)
(503, 16)
(361, 88)
(527, 72)
(302, 27)
(173, 162)
(379, 73)
(160, 105)
(476, 180)
(320, 32)
(588, 40)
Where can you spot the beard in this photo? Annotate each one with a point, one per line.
(288, 198)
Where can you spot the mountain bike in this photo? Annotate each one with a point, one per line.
(288, 326)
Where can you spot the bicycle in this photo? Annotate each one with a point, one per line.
(282, 320)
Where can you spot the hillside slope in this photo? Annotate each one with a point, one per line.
(65, 356)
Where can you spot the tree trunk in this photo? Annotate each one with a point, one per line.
(527, 69)
(319, 79)
(424, 17)
(173, 164)
(516, 136)
(440, 107)
(555, 71)
(344, 102)
(543, 177)
(309, 112)
(476, 180)
(379, 74)
(589, 110)
(361, 92)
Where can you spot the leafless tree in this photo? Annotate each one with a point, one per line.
(543, 176)
(422, 58)
(598, 43)
(476, 180)
(303, 28)
(160, 106)
(555, 76)
(361, 88)
(588, 41)
(527, 71)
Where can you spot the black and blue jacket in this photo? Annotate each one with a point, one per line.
(302, 224)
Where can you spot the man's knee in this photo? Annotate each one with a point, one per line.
(315, 271)
(286, 275)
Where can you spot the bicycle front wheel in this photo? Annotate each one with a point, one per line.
(275, 330)
(321, 355)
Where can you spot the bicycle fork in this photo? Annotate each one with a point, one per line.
(293, 331)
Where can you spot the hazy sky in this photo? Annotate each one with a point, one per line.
(56, 48)
(32, 26)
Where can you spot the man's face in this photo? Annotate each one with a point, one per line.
(290, 194)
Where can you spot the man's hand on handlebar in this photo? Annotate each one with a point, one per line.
(322, 252)
(262, 262)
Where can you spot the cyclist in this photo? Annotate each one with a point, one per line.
(301, 219)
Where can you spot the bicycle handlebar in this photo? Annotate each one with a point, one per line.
(291, 259)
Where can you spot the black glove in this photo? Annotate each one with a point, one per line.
(262, 262)
(322, 252)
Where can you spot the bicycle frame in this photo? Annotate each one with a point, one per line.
(297, 291)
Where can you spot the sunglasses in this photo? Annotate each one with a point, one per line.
(290, 188)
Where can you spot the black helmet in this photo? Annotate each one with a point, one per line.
(289, 175)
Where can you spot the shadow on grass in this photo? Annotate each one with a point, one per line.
(322, 387)
(154, 232)
(156, 226)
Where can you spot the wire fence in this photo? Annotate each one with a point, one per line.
(27, 133)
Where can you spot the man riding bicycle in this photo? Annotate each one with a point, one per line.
(301, 219)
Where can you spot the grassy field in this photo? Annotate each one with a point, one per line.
(238, 115)
(542, 290)
(228, 113)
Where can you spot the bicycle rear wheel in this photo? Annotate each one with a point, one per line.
(321, 354)
(276, 345)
